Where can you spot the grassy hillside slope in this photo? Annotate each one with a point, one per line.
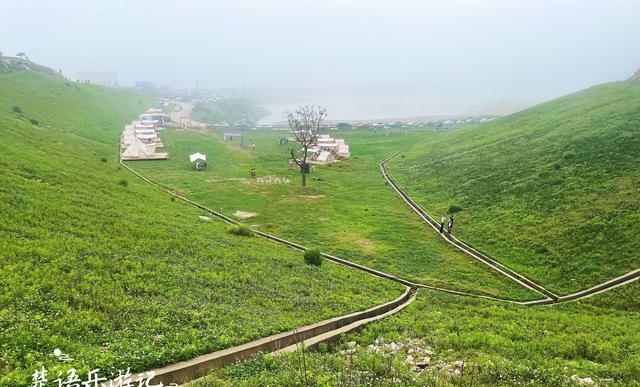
(501, 345)
(115, 273)
(552, 191)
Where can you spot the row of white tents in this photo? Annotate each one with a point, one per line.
(140, 139)
(327, 150)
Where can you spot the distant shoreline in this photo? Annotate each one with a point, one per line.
(497, 110)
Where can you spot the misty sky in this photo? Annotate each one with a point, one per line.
(464, 53)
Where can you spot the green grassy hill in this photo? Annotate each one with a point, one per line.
(116, 273)
(553, 192)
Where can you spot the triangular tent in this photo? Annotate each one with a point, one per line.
(197, 156)
(136, 149)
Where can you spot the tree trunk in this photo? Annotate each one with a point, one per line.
(304, 175)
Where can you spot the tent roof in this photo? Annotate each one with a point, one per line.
(197, 156)
(325, 156)
(136, 149)
(145, 131)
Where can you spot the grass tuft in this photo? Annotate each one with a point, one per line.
(241, 230)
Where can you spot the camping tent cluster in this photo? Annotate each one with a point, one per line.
(328, 150)
(141, 138)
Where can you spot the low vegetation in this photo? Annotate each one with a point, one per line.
(108, 269)
(240, 230)
(228, 110)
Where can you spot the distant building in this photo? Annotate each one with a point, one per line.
(101, 78)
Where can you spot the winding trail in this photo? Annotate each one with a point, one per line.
(514, 276)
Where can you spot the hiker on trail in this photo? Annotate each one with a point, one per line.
(450, 225)
(442, 220)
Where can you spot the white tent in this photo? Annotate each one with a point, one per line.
(146, 136)
(146, 131)
(197, 156)
(137, 150)
(325, 157)
(128, 139)
(343, 150)
(143, 126)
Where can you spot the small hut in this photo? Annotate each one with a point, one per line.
(199, 161)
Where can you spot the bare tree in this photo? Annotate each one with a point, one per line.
(305, 123)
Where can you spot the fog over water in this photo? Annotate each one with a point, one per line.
(361, 58)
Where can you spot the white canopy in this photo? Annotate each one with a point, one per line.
(136, 149)
(197, 156)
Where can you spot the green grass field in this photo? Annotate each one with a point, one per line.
(115, 272)
(501, 345)
(552, 192)
(119, 274)
(351, 213)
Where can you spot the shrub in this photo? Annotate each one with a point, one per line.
(16, 109)
(313, 257)
(123, 182)
(103, 159)
(241, 230)
(454, 209)
(569, 155)
(34, 121)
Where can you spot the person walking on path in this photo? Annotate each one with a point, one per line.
(442, 220)
(450, 225)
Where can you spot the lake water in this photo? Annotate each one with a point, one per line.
(365, 106)
(387, 105)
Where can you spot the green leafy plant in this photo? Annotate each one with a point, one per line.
(313, 256)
